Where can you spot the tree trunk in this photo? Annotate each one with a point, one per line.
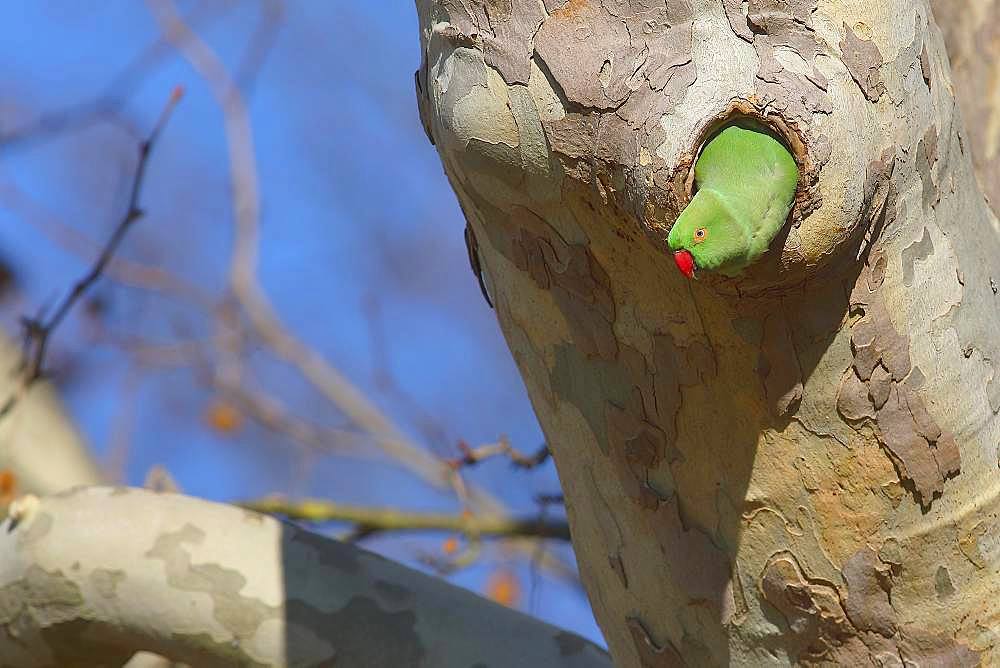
(798, 465)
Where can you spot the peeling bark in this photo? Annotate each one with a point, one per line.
(820, 435)
(863, 61)
(91, 576)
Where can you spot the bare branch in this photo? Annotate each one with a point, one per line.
(123, 270)
(502, 448)
(266, 324)
(37, 331)
(369, 520)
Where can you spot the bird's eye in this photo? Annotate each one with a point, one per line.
(700, 234)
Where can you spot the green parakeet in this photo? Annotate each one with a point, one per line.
(745, 182)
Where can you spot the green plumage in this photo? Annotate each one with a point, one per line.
(745, 183)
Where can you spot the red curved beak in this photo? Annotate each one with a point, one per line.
(685, 262)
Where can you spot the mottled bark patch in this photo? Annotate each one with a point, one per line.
(918, 250)
(652, 655)
(778, 366)
(973, 41)
(882, 386)
(513, 24)
(362, 633)
(942, 583)
(578, 283)
(927, 155)
(619, 67)
(52, 604)
(569, 644)
(968, 543)
(773, 25)
(926, 463)
(636, 446)
(48, 595)
(328, 552)
(864, 61)
(106, 581)
(393, 592)
(588, 384)
(693, 561)
(853, 402)
(868, 586)
(503, 29)
(880, 201)
(241, 615)
(815, 622)
(824, 625)
(600, 54)
(594, 71)
(737, 21)
(641, 430)
(931, 650)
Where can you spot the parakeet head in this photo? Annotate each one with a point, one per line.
(708, 236)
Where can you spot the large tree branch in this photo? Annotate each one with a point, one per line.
(91, 576)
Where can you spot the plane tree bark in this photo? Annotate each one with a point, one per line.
(798, 465)
(92, 575)
(794, 466)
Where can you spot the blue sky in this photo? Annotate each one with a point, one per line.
(362, 254)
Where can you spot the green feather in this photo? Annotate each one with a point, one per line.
(745, 182)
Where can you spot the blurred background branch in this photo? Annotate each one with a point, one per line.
(38, 330)
(294, 321)
(370, 520)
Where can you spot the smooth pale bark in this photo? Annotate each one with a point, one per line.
(796, 466)
(38, 443)
(92, 575)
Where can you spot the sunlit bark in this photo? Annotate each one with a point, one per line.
(798, 465)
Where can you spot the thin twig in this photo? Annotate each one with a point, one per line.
(547, 500)
(38, 332)
(463, 559)
(502, 448)
(120, 269)
(390, 519)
